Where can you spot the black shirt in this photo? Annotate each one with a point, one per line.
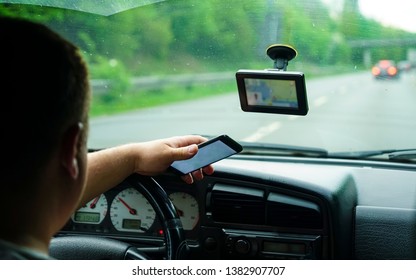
(10, 251)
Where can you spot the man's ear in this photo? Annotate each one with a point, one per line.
(69, 149)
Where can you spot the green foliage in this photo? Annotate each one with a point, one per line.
(310, 29)
(213, 30)
(179, 36)
(116, 75)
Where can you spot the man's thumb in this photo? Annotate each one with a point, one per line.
(186, 152)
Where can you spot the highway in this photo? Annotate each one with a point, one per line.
(351, 112)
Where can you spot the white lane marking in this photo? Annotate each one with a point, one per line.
(320, 101)
(292, 117)
(262, 132)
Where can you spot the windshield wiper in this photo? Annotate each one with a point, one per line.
(402, 155)
(250, 148)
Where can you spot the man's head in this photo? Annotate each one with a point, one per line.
(45, 95)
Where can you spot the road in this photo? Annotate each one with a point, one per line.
(346, 113)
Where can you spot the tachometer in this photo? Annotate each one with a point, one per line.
(131, 211)
(93, 212)
(187, 207)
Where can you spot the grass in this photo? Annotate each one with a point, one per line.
(133, 100)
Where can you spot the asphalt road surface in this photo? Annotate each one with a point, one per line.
(350, 112)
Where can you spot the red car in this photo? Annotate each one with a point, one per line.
(385, 69)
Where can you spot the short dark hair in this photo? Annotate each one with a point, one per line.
(44, 89)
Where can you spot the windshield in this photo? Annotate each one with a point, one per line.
(165, 68)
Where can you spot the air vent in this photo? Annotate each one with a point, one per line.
(235, 204)
(288, 211)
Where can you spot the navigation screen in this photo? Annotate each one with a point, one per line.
(281, 93)
(270, 91)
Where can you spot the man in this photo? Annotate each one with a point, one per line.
(48, 172)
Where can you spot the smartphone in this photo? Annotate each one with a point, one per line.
(209, 152)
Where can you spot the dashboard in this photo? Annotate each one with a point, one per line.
(270, 207)
(124, 211)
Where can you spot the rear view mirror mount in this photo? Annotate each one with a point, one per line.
(274, 90)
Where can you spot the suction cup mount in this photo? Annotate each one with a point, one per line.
(281, 55)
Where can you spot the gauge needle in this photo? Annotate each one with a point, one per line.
(92, 205)
(179, 211)
(131, 210)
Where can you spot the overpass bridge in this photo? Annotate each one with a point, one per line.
(367, 44)
(371, 43)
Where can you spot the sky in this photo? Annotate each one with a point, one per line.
(395, 13)
(398, 13)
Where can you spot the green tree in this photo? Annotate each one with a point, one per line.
(306, 28)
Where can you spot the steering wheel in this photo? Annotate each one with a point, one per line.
(99, 248)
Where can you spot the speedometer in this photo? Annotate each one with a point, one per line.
(187, 207)
(130, 211)
(93, 212)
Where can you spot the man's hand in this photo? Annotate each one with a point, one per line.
(156, 156)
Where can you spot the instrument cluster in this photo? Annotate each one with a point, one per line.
(123, 210)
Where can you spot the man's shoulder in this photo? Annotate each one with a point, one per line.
(7, 254)
(10, 251)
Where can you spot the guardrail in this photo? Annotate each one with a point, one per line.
(159, 82)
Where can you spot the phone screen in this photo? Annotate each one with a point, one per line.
(206, 155)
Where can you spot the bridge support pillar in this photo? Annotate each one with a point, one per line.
(367, 58)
